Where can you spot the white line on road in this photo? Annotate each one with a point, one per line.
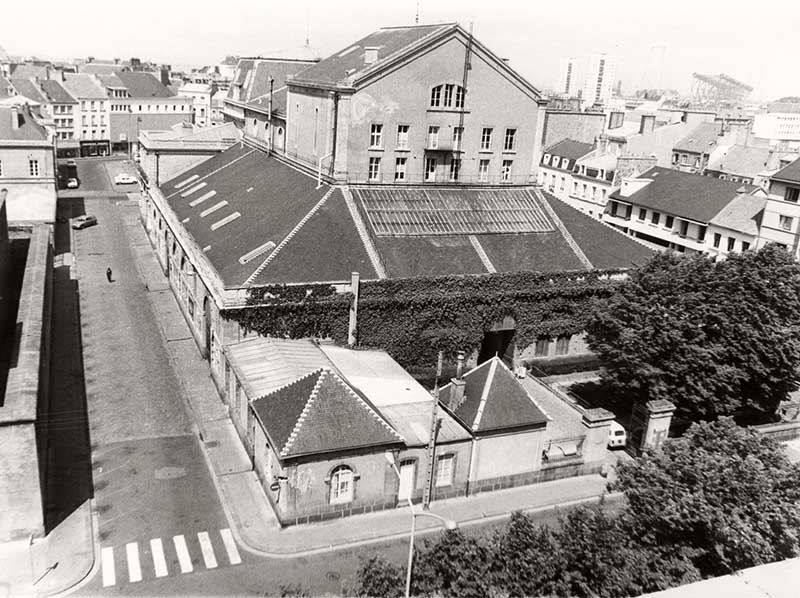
(159, 562)
(208, 550)
(183, 554)
(107, 555)
(134, 569)
(230, 546)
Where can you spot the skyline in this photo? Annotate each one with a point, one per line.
(714, 38)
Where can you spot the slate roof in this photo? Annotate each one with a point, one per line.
(29, 71)
(111, 80)
(702, 139)
(494, 401)
(790, 173)
(84, 87)
(567, 148)
(742, 214)
(349, 61)
(742, 160)
(320, 413)
(28, 89)
(143, 85)
(56, 92)
(267, 200)
(5, 87)
(100, 68)
(261, 69)
(29, 129)
(685, 195)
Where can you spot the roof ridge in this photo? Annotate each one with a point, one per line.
(202, 178)
(303, 414)
(485, 393)
(288, 384)
(484, 257)
(372, 410)
(363, 233)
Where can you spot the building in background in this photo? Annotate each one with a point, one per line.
(781, 222)
(591, 78)
(27, 166)
(63, 109)
(779, 125)
(200, 94)
(94, 112)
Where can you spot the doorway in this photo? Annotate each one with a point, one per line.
(408, 470)
(499, 340)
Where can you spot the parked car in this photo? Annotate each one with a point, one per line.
(617, 437)
(72, 183)
(124, 179)
(84, 221)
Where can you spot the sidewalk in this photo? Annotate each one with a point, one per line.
(249, 513)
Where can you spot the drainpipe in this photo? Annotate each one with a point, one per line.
(319, 169)
(269, 117)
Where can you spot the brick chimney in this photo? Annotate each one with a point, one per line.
(370, 55)
(14, 117)
(457, 384)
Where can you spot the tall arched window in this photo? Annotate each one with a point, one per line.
(341, 485)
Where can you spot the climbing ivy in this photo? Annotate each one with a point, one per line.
(414, 318)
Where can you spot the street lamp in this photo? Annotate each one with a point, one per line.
(448, 524)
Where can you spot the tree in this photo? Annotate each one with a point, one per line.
(378, 577)
(713, 338)
(453, 565)
(725, 496)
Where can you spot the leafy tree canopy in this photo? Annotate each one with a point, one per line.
(713, 338)
(724, 494)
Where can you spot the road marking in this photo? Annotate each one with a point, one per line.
(107, 555)
(230, 546)
(183, 554)
(134, 569)
(159, 562)
(208, 550)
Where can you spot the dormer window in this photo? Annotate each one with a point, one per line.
(447, 96)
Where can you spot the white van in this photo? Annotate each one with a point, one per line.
(617, 437)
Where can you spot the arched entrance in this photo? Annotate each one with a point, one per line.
(498, 340)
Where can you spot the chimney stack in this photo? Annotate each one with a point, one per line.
(14, 117)
(370, 55)
(457, 385)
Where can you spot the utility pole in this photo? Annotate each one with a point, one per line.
(430, 452)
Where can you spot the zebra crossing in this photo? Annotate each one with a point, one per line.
(153, 561)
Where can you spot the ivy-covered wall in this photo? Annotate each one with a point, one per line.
(414, 318)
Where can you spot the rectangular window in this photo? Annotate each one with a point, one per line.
(669, 222)
(785, 222)
(717, 239)
(584, 191)
(745, 245)
(433, 137)
(33, 167)
(374, 169)
(448, 94)
(400, 169)
(436, 96)
(509, 142)
(483, 171)
(542, 347)
(603, 194)
(486, 139)
(1, 168)
(574, 188)
(455, 168)
(655, 217)
(594, 193)
(430, 169)
(642, 214)
(402, 136)
(684, 228)
(562, 345)
(458, 136)
(459, 96)
(376, 137)
(792, 194)
(731, 243)
(505, 171)
(563, 184)
(701, 233)
(444, 470)
(614, 206)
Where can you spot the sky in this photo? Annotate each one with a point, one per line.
(657, 46)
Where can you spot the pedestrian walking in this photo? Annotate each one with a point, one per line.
(108, 274)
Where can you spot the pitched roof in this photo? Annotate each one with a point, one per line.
(111, 80)
(742, 214)
(790, 173)
(29, 71)
(493, 401)
(320, 413)
(685, 195)
(28, 89)
(567, 148)
(6, 88)
(253, 74)
(143, 85)
(56, 92)
(349, 62)
(702, 139)
(84, 87)
(29, 129)
(268, 221)
(741, 160)
(101, 68)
